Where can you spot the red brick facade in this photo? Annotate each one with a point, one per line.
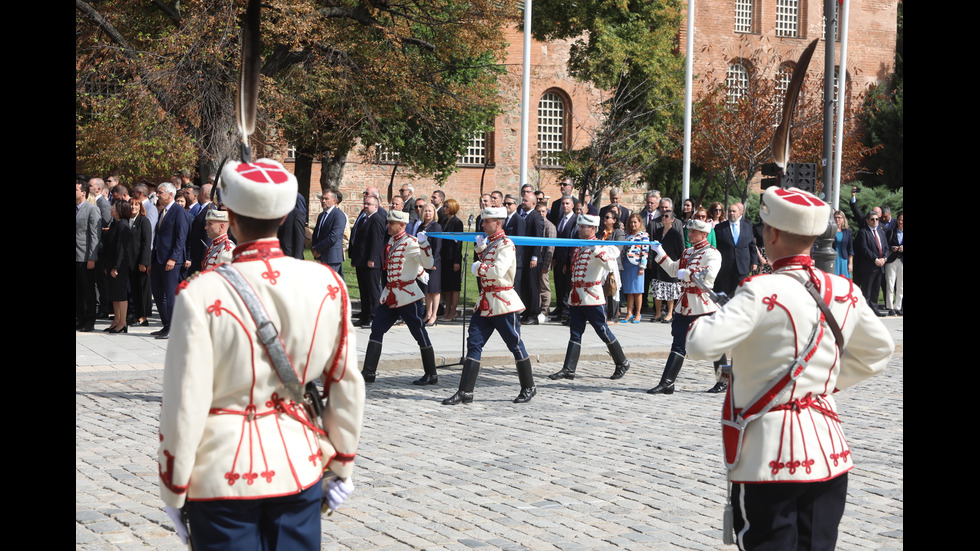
(871, 59)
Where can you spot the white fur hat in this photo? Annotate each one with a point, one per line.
(398, 216)
(699, 225)
(493, 212)
(263, 189)
(795, 211)
(215, 215)
(588, 220)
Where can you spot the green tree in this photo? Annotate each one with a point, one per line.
(628, 48)
(417, 77)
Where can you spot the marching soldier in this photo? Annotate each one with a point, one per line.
(589, 268)
(702, 258)
(405, 259)
(220, 251)
(238, 449)
(498, 308)
(799, 335)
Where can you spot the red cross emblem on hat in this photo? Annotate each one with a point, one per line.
(799, 197)
(263, 173)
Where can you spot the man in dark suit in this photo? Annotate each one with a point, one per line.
(530, 290)
(328, 235)
(197, 238)
(567, 188)
(169, 252)
(292, 232)
(407, 192)
(566, 229)
(587, 206)
(365, 250)
(651, 211)
(514, 225)
(739, 254)
(615, 194)
(870, 256)
(437, 198)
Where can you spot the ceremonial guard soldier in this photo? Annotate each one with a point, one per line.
(702, 259)
(497, 308)
(239, 451)
(589, 268)
(220, 251)
(799, 335)
(405, 259)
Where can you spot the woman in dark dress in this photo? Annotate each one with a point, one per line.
(664, 287)
(139, 259)
(115, 251)
(433, 288)
(452, 260)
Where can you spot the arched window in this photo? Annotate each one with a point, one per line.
(737, 81)
(783, 77)
(551, 129)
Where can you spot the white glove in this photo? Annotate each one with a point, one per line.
(337, 490)
(421, 237)
(424, 277)
(683, 273)
(657, 248)
(175, 516)
(481, 240)
(475, 268)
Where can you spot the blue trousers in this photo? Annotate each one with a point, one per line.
(803, 516)
(509, 327)
(164, 287)
(678, 330)
(385, 317)
(287, 523)
(595, 315)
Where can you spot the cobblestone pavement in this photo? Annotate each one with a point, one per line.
(588, 464)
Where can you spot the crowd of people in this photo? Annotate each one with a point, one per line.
(132, 230)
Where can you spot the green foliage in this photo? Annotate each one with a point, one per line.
(868, 198)
(628, 48)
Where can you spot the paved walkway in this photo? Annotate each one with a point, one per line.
(588, 464)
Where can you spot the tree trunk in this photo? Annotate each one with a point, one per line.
(304, 173)
(332, 167)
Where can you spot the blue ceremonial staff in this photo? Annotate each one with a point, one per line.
(540, 241)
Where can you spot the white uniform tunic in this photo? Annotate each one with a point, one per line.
(701, 257)
(590, 266)
(498, 265)
(228, 430)
(405, 260)
(219, 252)
(768, 322)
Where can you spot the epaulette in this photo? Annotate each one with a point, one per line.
(195, 275)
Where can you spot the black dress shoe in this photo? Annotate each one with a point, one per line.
(87, 329)
(164, 334)
(460, 396)
(531, 320)
(525, 395)
(144, 323)
(157, 332)
(125, 329)
(892, 313)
